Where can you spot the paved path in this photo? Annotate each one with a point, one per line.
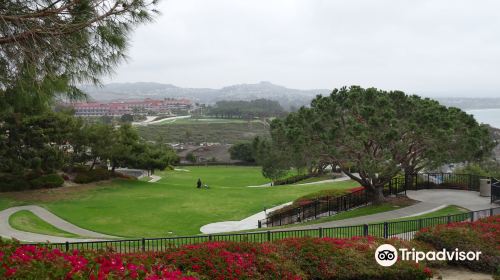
(154, 178)
(150, 120)
(466, 199)
(431, 200)
(7, 231)
(245, 224)
(416, 209)
(345, 178)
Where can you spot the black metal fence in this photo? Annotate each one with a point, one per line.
(320, 207)
(442, 181)
(495, 190)
(328, 206)
(400, 229)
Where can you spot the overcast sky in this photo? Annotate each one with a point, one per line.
(438, 48)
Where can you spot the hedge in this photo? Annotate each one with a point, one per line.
(482, 235)
(47, 181)
(11, 182)
(94, 175)
(298, 258)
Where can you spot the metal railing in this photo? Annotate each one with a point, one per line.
(442, 181)
(495, 190)
(320, 207)
(328, 206)
(400, 229)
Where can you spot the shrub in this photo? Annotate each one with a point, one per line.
(94, 175)
(292, 179)
(300, 258)
(482, 235)
(425, 185)
(47, 181)
(32, 262)
(454, 185)
(332, 258)
(11, 182)
(234, 260)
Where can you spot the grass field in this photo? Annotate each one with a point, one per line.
(204, 121)
(27, 221)
(209, 130)
(172, 206)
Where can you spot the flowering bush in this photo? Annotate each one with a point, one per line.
(482, 235)
(332, 258)
(33, 262)
(299, 258)
(234, 260)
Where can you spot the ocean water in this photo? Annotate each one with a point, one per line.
(489, 116)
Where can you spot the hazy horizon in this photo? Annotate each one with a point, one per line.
(431, 48)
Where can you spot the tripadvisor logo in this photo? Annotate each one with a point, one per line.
(387, 255)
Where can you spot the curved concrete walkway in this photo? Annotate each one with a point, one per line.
(345, 178)
(431, 200)
(8, 232)
(245, 224)
(154, 178)
(466, 199)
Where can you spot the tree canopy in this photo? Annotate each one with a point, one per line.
(72, 41)
(46, 48)
(378, 134)
(259, 108)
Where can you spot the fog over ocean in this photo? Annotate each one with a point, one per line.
(489, 116)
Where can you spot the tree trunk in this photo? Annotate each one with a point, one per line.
(93, 164)
(409, 182)
(376, 195)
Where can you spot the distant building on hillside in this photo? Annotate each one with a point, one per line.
(119, 108)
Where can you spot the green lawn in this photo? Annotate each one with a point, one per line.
(448, 210)
(6, 203)
(27, 221)
(204, 121)
(174, 206)
(145, 179)
(213, 130)
(315, 179)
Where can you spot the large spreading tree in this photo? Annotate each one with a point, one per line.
(373, 135)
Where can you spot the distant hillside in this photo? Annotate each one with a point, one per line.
(285, 96)
(471, 103)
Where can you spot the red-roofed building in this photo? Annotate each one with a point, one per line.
(119, 108)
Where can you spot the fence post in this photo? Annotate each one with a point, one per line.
(320, 232)
(471, 214)
(448, 219)
(259, 224)
(420, 223)
(143, 244)
(268, 235)
(365, 230)
(491, 212)
(316, 209)
(210, 237)
(386, 230)
(67, 246)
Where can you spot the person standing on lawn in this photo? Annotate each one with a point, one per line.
(198, 184)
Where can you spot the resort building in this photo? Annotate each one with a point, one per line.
(142, 107)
